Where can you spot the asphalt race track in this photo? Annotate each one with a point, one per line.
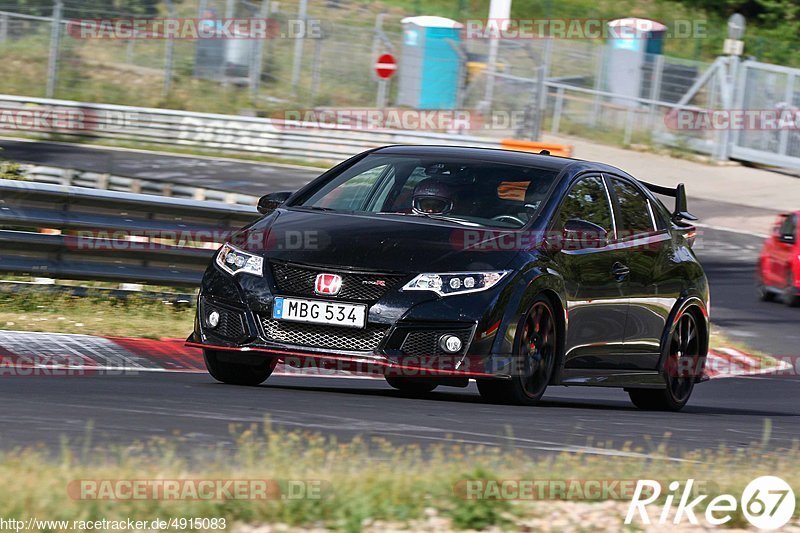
(125, 409)
(234, 176)
(122, 409)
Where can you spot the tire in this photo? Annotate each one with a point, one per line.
(412, 385)
(253, 370)
(683, 351)
(790, 296)
(764, 294)
(535, 352)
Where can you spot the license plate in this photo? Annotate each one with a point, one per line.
(319, 312)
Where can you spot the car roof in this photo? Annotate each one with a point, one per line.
(568, 165)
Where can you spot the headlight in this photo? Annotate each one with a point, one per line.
(235, 261)
(448, 284)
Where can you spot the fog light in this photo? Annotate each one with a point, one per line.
(450, 343)
(213, 319)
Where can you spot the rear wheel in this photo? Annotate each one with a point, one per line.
(680, 369)
(412, 385)
(790, 296)
(238, 369)
(535, 357)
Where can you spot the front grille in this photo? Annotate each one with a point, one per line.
(360, 286)
(322, 336)
(425, 342)
(231, 323)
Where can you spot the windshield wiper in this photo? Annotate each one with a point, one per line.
(432, 216)
(315, 208)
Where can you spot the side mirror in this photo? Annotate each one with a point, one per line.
(788, 238)
(269, 202)
(581, 234)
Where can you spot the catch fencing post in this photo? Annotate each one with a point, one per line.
(298, 46)
(168, 54)
(258, 52)
(3, 27)
(55, 42)
(554, 127)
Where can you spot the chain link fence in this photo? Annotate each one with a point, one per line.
(320, 55)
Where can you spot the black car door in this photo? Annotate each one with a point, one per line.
(652, 287)
(594, 279)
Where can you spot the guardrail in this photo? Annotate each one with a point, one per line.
(281, 138)
(85, 234)
(97, 180)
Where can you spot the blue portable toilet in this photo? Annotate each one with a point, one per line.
(429, 67)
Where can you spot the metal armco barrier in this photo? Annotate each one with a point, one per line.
(85, 234)
(282, 138)
(96, 180)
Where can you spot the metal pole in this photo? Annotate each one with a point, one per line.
(258, 53)
(655, 88)
(381, 100)
(537, 105)
(55, 42)
(628, 134)
(168, 55)
(298, 46)
(129, 51)
(3, 27)
(554, 127)
(491, 69)
(598, 85)
(316, 67)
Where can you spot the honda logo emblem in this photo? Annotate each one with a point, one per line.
(328, 284)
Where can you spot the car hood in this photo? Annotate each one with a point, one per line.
(390, 244)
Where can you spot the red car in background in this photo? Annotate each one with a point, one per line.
(779, 265)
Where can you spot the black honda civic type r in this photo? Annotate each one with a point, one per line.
(434, 265)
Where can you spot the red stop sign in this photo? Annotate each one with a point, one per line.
(385, 66)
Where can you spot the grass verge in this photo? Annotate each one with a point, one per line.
(362, 484)
(94, 315)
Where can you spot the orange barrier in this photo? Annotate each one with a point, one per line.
(563, 150)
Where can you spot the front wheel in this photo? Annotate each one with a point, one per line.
(535, 357)
(680, 369)
(764, 294)
(238, 369)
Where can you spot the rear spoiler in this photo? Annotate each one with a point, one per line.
(681, 211)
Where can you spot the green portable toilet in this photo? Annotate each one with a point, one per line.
(429, 67)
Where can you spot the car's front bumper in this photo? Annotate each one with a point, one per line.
(401, 336)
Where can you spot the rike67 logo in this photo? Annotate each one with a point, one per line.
(767, 503)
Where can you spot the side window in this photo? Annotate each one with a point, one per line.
(588, 201)
(634, 209)
(352, 194)
(789, 226)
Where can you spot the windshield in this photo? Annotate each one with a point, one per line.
(469, 192)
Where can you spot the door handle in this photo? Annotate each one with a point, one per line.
(620, 271)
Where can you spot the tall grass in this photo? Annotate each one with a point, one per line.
(364, 480)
